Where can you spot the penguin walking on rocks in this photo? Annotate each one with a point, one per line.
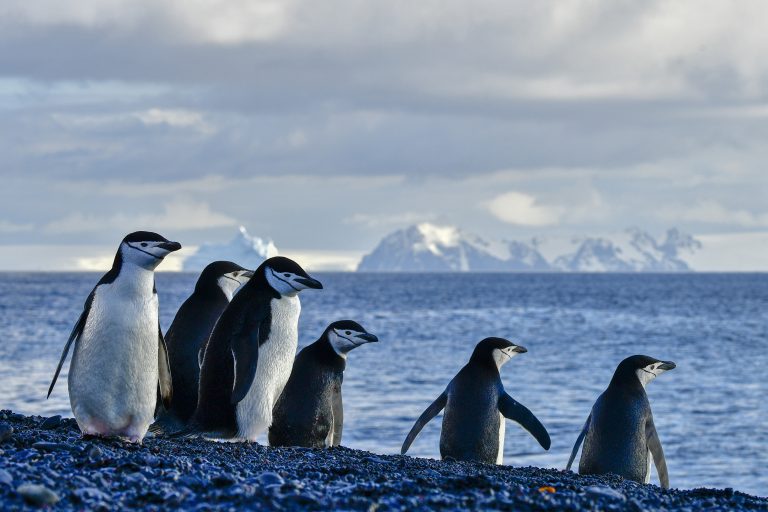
(120, 357)
(475, 407)
(309, 411)
(188, 333)
(619, 435)
(249, 355)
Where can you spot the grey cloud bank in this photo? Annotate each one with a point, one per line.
(325, 126)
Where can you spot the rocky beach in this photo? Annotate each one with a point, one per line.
(45, 462)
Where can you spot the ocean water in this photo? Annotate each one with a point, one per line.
(711, 411)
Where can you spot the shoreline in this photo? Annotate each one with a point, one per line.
(195, 474)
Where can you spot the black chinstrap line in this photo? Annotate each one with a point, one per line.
(142, 250)
(348, 339)
(283, 280)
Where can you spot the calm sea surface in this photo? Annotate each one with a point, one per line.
(711, 412)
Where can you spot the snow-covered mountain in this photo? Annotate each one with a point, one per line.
(245, 250)
(430, 248)
(633, 250)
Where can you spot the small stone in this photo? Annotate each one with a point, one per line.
(431, 473)
(94, 452)
(45, 446)
(152, 461)
(270, 478)
(604, 492)
(50, 423)
(37, 494)
(223, 480)
(6, 431)
(91, 494)
(5, 477)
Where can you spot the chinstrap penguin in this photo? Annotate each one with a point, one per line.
(619, 435)
(475, 407)
(309, 411)
(249, 355)
(191, 326)
(120, 358)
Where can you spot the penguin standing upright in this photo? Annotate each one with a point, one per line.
(309, 411)
(189, 331)
(619, 435)
(120, 356)
(475, 407)
(250, 352)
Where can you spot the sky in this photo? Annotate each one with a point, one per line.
(326, 125)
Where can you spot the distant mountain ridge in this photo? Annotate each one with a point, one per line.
(431, 248)
(245, 249)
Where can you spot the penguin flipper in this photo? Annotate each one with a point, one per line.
(165, 382)
(338, 418)
(578, 442)
(245, 351)
(430, 412)
(654, 446)
(516, 411)
(77, 330)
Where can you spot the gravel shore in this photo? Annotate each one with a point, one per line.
(43, 461)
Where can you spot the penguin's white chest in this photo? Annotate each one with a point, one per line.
(276, 355)
(114, 372)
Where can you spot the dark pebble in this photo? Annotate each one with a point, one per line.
(90, 494)
(223, 480)
(50, 423)
(45, 446)
(37, 494)
(6, 431)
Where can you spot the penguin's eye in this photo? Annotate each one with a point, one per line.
(347, 333)
(143, 244)
(287, 275)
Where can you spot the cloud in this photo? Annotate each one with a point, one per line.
(712, 212)
(326, 124)
(388, 220)
(14, 227)
(519, 208)
(177, 215)
(178, 118)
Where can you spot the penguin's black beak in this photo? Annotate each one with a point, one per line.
(248, 274)
(519, 349)
(310, 283)
(367, 337)
(170, 246)
(667, 365)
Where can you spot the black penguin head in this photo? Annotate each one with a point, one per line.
(146, 249)
(496, 351)
(642, 368)
(344, 335)
(286, 277)
(223, 275)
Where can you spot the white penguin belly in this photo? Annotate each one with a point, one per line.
(502, 426)
(648, 473)
(114, 372)
(276, 355)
